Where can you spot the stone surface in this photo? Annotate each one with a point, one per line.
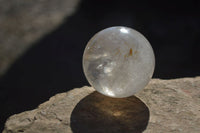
(163, 106)
(24, 22)
(118, 61)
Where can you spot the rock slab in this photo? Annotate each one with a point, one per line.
(163, 106)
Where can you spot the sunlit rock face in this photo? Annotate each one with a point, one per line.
(118, 61)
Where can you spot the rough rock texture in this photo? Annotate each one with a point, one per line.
(23, 22)
(163, 106)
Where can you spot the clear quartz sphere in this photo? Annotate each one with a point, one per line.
(118, 61)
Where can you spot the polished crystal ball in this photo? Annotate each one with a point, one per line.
(118, 61)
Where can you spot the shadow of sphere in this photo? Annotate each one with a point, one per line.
(97, 113)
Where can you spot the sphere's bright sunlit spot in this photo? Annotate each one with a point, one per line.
(123, 30)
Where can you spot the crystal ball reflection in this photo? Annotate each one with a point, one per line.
(118, 61)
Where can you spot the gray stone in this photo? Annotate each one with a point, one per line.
(23, 22)
(163, 106)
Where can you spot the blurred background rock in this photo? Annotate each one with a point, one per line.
(42, 42)
(24, 22)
